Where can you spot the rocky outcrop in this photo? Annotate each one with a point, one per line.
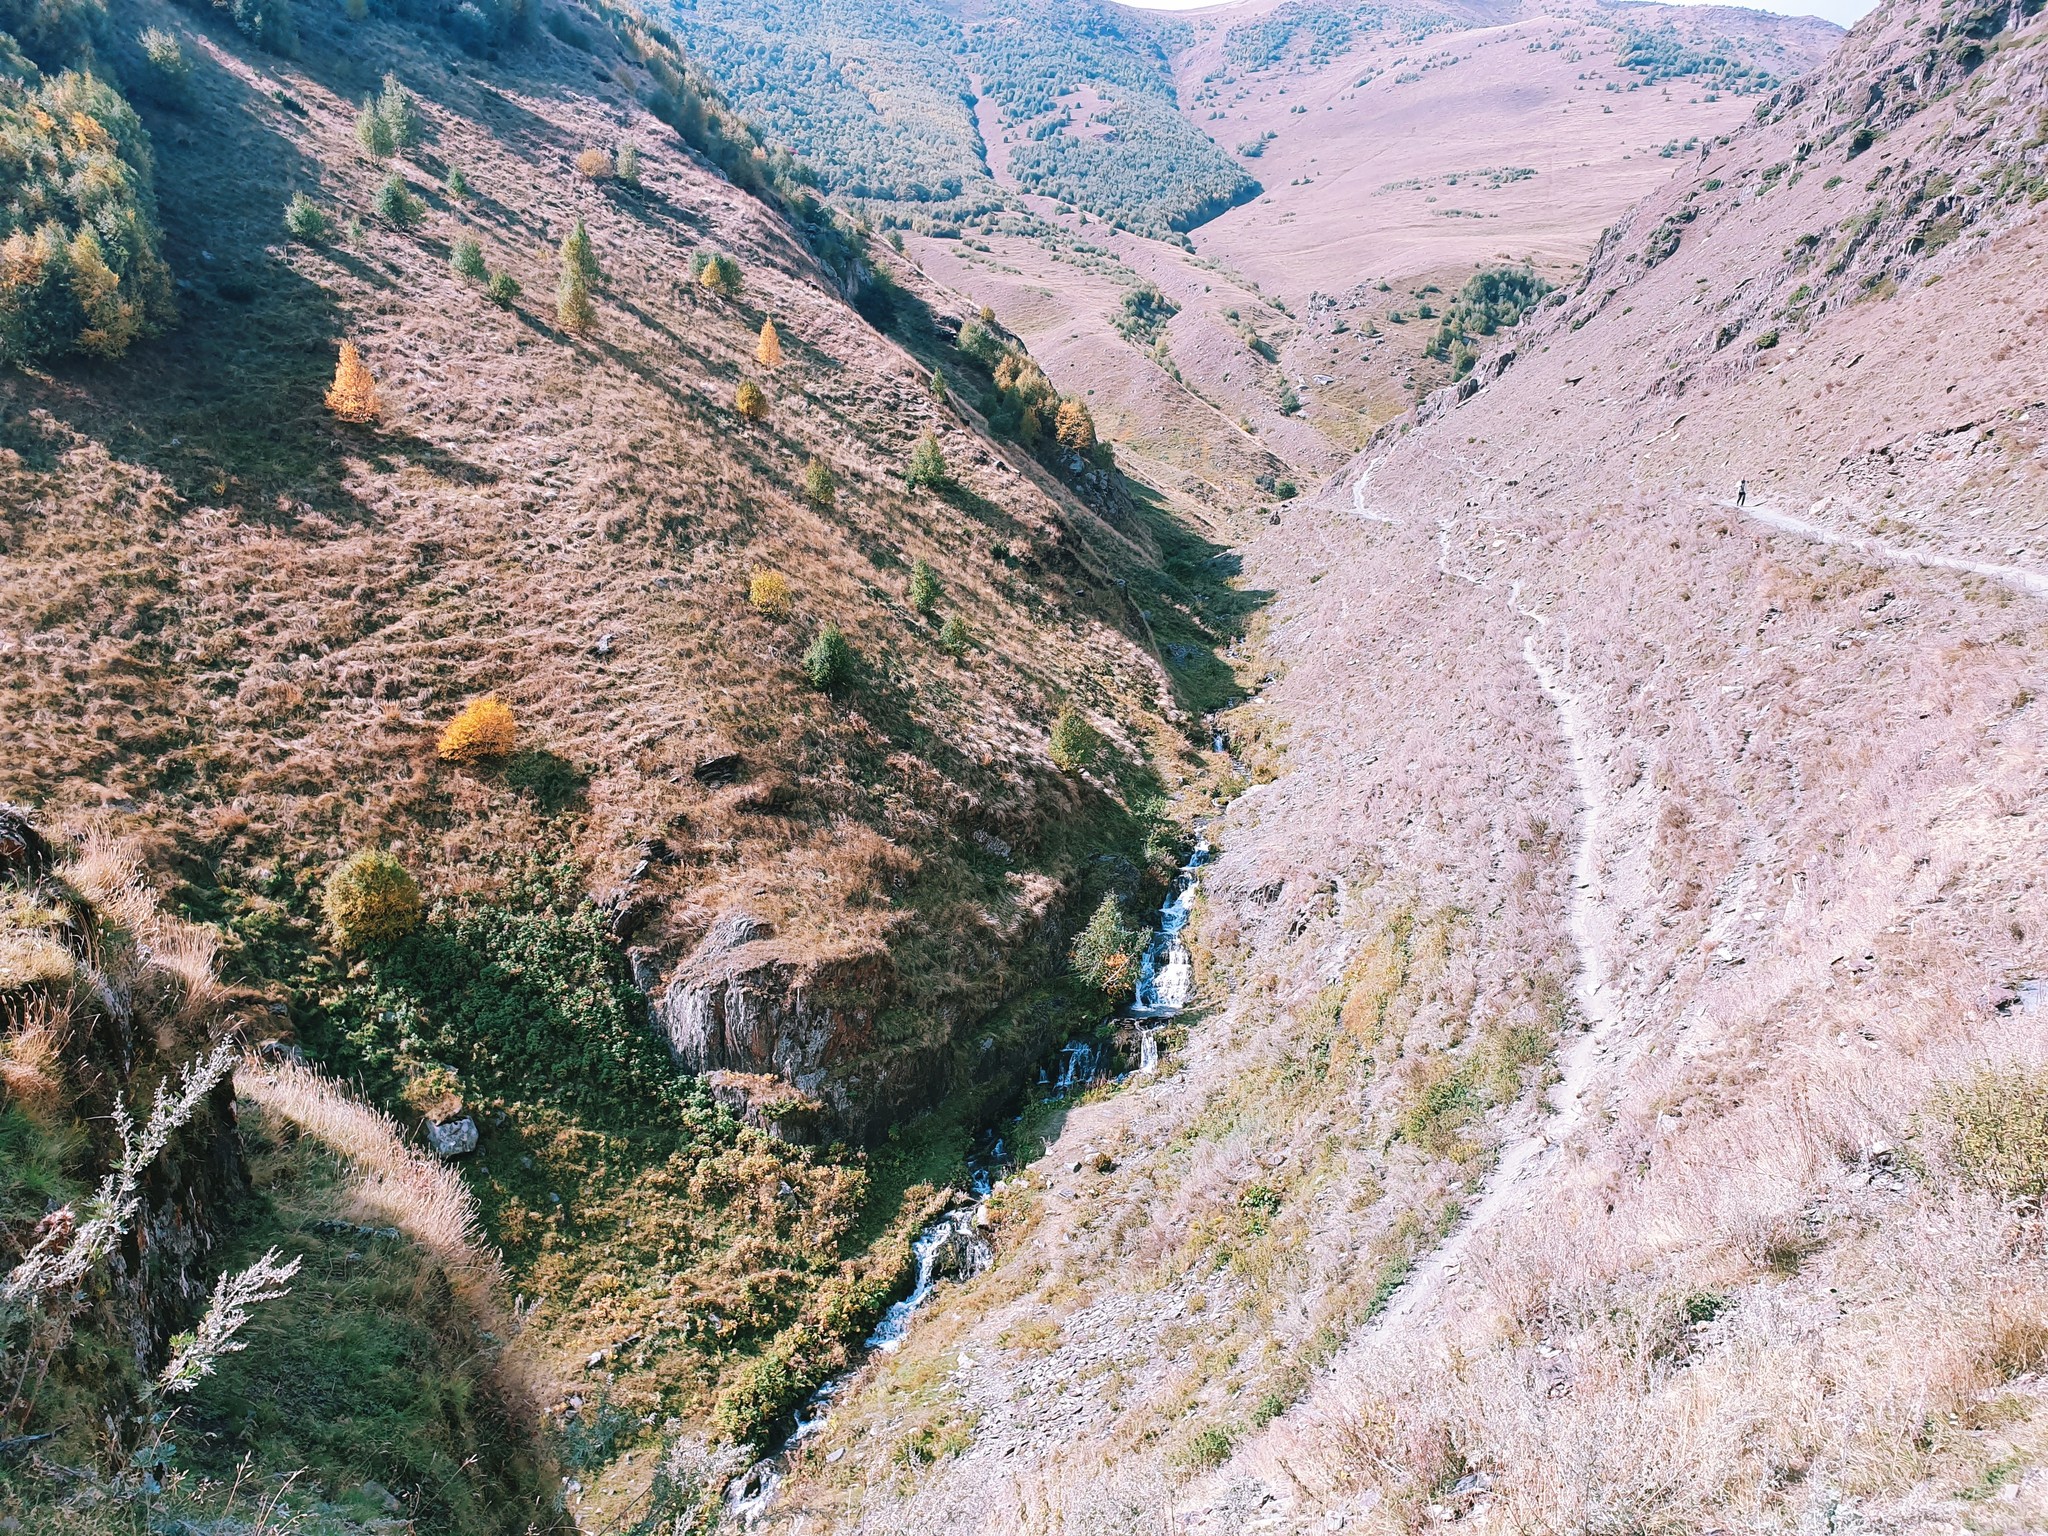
(745, 1002)
(768, 1104)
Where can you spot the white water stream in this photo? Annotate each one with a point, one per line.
(1166, 975)
(952, 1245)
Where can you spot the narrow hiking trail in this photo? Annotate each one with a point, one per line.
(1524, 1160)
(2031, 583)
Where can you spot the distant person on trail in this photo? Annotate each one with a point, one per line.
(1741, 492)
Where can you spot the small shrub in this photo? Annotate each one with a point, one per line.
(924, 587)
(573, 309)
(1074, 740)
(397, 206)
(458, 184)
(578, 253)
(935, 386)
(627, 166)
(1075, 427)
(594, 165)
(306, 220)
(372, 899)
(468, 260)
(373, 134)
(717, 274)
(769, 351)
(169, 77)
(749, 401)
(820, 489)
(1107, 953)
(769, 594)
(954, 638)
(504, 290)
(1210, 1447)
(400, 116)
(828, 663)
(1993, 1127)
(928, 464)
(353, 394)
(483, 728)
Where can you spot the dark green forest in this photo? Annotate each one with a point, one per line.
(880, 98)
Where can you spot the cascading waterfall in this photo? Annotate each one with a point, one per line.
(1079, 1066)
(953, 1245)
(950, 1245)
(1166, 975)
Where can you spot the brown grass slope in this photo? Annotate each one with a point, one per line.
(1586, 1130)
(241, 623)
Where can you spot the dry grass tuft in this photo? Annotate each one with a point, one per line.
(32, 1064)
(424, 1199)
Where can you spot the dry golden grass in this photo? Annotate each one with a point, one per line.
(395, 1184)
(274, 618)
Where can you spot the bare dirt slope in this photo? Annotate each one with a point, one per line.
(1580, 1137)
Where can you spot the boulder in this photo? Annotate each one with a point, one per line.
(452, 1138)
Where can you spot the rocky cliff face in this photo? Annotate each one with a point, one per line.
(741, 1003)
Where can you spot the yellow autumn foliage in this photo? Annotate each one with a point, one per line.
(483, 729)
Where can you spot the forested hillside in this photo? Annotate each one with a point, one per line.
(881, 99)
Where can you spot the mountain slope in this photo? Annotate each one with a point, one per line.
(1622, 1020)
(702, 908)
(1399, 151)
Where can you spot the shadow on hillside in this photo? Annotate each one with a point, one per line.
(1188, 605)
(228, 404)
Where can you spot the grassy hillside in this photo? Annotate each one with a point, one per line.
(1614, 1103)
(589, 487)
